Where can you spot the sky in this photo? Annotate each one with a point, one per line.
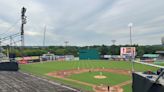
(84, 22)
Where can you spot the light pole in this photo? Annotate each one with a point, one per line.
(113, 41)
(23, 16)
(44, 36)
(130, 27)
(66, 43)
(162, 40)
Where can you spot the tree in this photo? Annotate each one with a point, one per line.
(114, 50)
(104, 50)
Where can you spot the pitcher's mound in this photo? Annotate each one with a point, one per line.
(100, 77)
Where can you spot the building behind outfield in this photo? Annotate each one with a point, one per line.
(89, 54)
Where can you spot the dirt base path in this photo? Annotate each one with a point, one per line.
(102, 88)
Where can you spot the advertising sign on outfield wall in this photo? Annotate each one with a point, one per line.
(128, 51)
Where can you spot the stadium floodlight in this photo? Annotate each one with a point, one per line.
(130, 24)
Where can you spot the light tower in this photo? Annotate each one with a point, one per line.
(23, 17)
(44, 37)
(113, 41)
(130, 27)
(66, 43)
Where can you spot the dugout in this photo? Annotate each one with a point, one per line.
(89, 54)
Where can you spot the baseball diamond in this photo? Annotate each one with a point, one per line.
(81, 74)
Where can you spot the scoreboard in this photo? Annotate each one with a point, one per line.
(128, 51)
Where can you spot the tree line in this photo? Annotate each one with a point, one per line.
(73, 50)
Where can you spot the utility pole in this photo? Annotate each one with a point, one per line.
(23, 17)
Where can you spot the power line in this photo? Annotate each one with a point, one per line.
(8, 37)
(13, 42)
(6, 32)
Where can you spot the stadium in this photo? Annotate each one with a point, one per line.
(72, 53)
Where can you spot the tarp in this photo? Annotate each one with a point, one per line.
(9, 66)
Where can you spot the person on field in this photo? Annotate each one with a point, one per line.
(108, 88)
(89, 71)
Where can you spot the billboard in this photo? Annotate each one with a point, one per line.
(128, 51)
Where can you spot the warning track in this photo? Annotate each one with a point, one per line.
(21, 82)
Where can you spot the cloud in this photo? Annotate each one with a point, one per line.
(32, 33)
(4, 24)
(85, 22)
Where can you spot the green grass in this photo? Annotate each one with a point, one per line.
(162, 64)
(41, 69)
(128, 88)
(159, 63)
(112, 78)
(72, 84)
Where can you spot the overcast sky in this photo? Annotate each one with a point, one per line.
(85, 22)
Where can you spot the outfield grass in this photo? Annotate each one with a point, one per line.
(42, 69)
(112, 78)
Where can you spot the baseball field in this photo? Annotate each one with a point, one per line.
(89, 75)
